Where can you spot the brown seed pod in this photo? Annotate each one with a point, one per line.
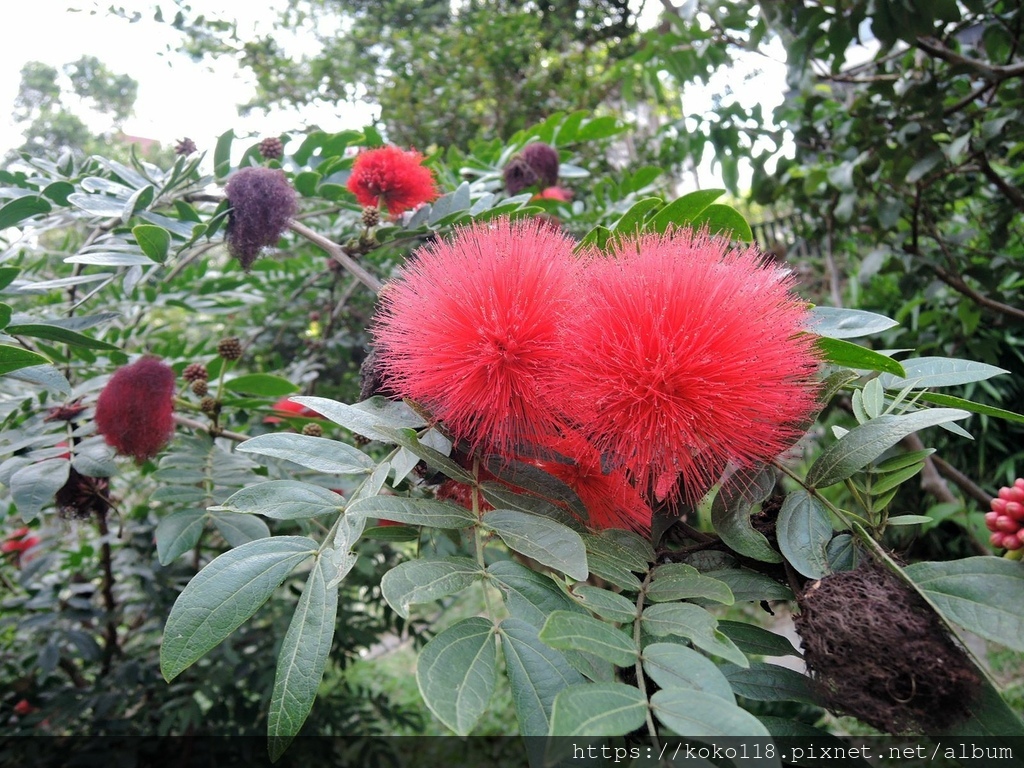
(877, 651)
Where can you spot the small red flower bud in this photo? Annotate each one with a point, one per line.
(1012, 542)
(1019, 483)
(999, 505)
(990, 520)
(23, 708)
(135, 411)
(1006, 524)
(1015, 510)
(1006, 494)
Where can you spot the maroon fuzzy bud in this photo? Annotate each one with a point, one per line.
(544, 161)
(135, 411)
(518, 175)
(261, 202)
(185, 147)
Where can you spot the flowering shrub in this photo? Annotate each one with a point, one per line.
(612, 432)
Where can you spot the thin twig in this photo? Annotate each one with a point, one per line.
(337, 253)
(185, 421)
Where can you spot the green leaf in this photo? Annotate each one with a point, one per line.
(747, 585)
(423, 581)
(724, 220)
(769, 682)
(865, 443)
(433, 458)
(528, 595)
(303, 658)
(317, 453)
(696, 625)
(968, 405)
(222, 154)
(605, 603)
(926, 372)
(981, 594)
(849, 355)
(224, 594)
(597, 237)
(14, 358)
(619, 550)
(684, 210)
(730, 513)
(599, 128)
(598, 709)
(676, 581)
(532, 597)
(566, 630)
(756, 640)
(546, 541)
(33, 487)
(535, 480)
(537, 673)
(8, 275)
(57, 333)
(154, 241)
(239, 529)
(908, 520)
(457, 671)
(608, 561)
(838, 323)
(632, 220)
(261, 384)
(21, 208)
(672, 665)
(696, 714)
(433, 514)
(804, 529)
(178, 533)
(283, 500)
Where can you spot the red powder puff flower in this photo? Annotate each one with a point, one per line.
(689, 355)
(18, 543)
(560, 194)
(610, 500)
(285, 408)
(262, 201)
(134, 412)
(23, 708)
(471, 329)
(394, 176)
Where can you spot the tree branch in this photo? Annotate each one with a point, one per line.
(337, 253)
(992, 73)
(185, 421)
(1011, 192)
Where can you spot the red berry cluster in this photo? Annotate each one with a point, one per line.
(1006, 520)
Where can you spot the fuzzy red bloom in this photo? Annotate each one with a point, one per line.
(135, 411)
(610, 500)
(286, 408)
(689, 355)
(472, 330)
(18, 543)
(395, 176)
(561, 194)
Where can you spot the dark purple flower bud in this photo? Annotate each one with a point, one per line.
(261, 202)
